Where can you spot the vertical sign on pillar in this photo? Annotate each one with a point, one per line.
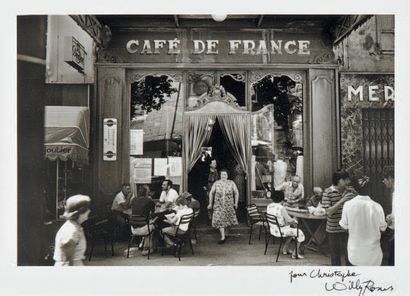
(110, 139)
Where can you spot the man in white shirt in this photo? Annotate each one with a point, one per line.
(168, 194)
(121, 205)
(364, 219)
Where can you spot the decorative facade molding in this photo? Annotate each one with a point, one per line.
(90, 24)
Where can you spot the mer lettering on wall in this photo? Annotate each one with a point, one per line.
(211, 47)
(366, 88)
(372, 93)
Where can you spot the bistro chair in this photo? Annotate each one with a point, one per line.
(138, 221)
(255, 218)
(194, 222)
(179, 237)
(99, 229)
(275, 230)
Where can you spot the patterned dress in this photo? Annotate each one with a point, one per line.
(223, 210)
(279, 211)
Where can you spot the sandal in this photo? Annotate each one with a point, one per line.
(222, 241)
(299, 256)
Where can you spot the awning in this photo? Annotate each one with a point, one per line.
(67, 133)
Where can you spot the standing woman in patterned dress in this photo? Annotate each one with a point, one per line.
(223, 198)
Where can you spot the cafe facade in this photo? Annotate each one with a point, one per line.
(262, 100)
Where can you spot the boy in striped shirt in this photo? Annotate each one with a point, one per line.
(333, 200)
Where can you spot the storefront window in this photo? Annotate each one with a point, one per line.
(276, 131)
(156, 132)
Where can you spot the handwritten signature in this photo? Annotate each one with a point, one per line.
(341, 281)
(362, 287)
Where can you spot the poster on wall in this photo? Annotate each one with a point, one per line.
(160, 166)
(110, 139)
(142, 168)
(136, 141)
(175, 166)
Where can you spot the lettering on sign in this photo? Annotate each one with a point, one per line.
(211, 47)
(372, 93)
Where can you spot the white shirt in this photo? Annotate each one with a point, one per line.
(391, 226)
(70, 231)
(170, 196)
(179, 214)
(118, 200)
(364, 219)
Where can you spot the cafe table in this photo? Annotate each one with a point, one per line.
(304, 216)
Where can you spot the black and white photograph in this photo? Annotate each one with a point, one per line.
(222, 142)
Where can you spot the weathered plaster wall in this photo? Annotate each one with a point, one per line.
(360, 51)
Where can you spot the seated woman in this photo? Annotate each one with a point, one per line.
(287, 226)
(181, 210)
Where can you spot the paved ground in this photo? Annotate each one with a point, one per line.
(236, 251)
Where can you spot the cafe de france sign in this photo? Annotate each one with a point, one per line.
(211, 47)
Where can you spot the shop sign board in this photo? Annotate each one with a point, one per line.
(261, 46)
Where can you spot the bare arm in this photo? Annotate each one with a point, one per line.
(331, 210)
(211, 196)
(235, 195)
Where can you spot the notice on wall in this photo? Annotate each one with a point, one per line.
(175, 166)
(142, 168)
(136, 141)
(110, 139)
(160, 166)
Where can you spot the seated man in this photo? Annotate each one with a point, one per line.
(293, 191)
(181, 210)
(143, 205)
(121, 205)
(168, 194)
(316, 198)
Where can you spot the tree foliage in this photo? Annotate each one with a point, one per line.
(150, 93)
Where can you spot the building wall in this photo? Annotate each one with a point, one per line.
(366, 58)
(366, 49)
(31, 32)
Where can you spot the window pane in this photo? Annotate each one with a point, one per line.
(156, 132)
(234, 83)
(277, 132)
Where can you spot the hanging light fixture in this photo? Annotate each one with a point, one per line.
(219, 17)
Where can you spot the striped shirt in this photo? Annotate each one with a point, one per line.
(330, 197)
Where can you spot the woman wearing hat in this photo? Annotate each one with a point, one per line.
(70, 242)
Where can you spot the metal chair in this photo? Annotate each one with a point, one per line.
(273, 222)
(179, 237)
(97, 229)
(138, 221)
(194, 221)
(255, 218)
